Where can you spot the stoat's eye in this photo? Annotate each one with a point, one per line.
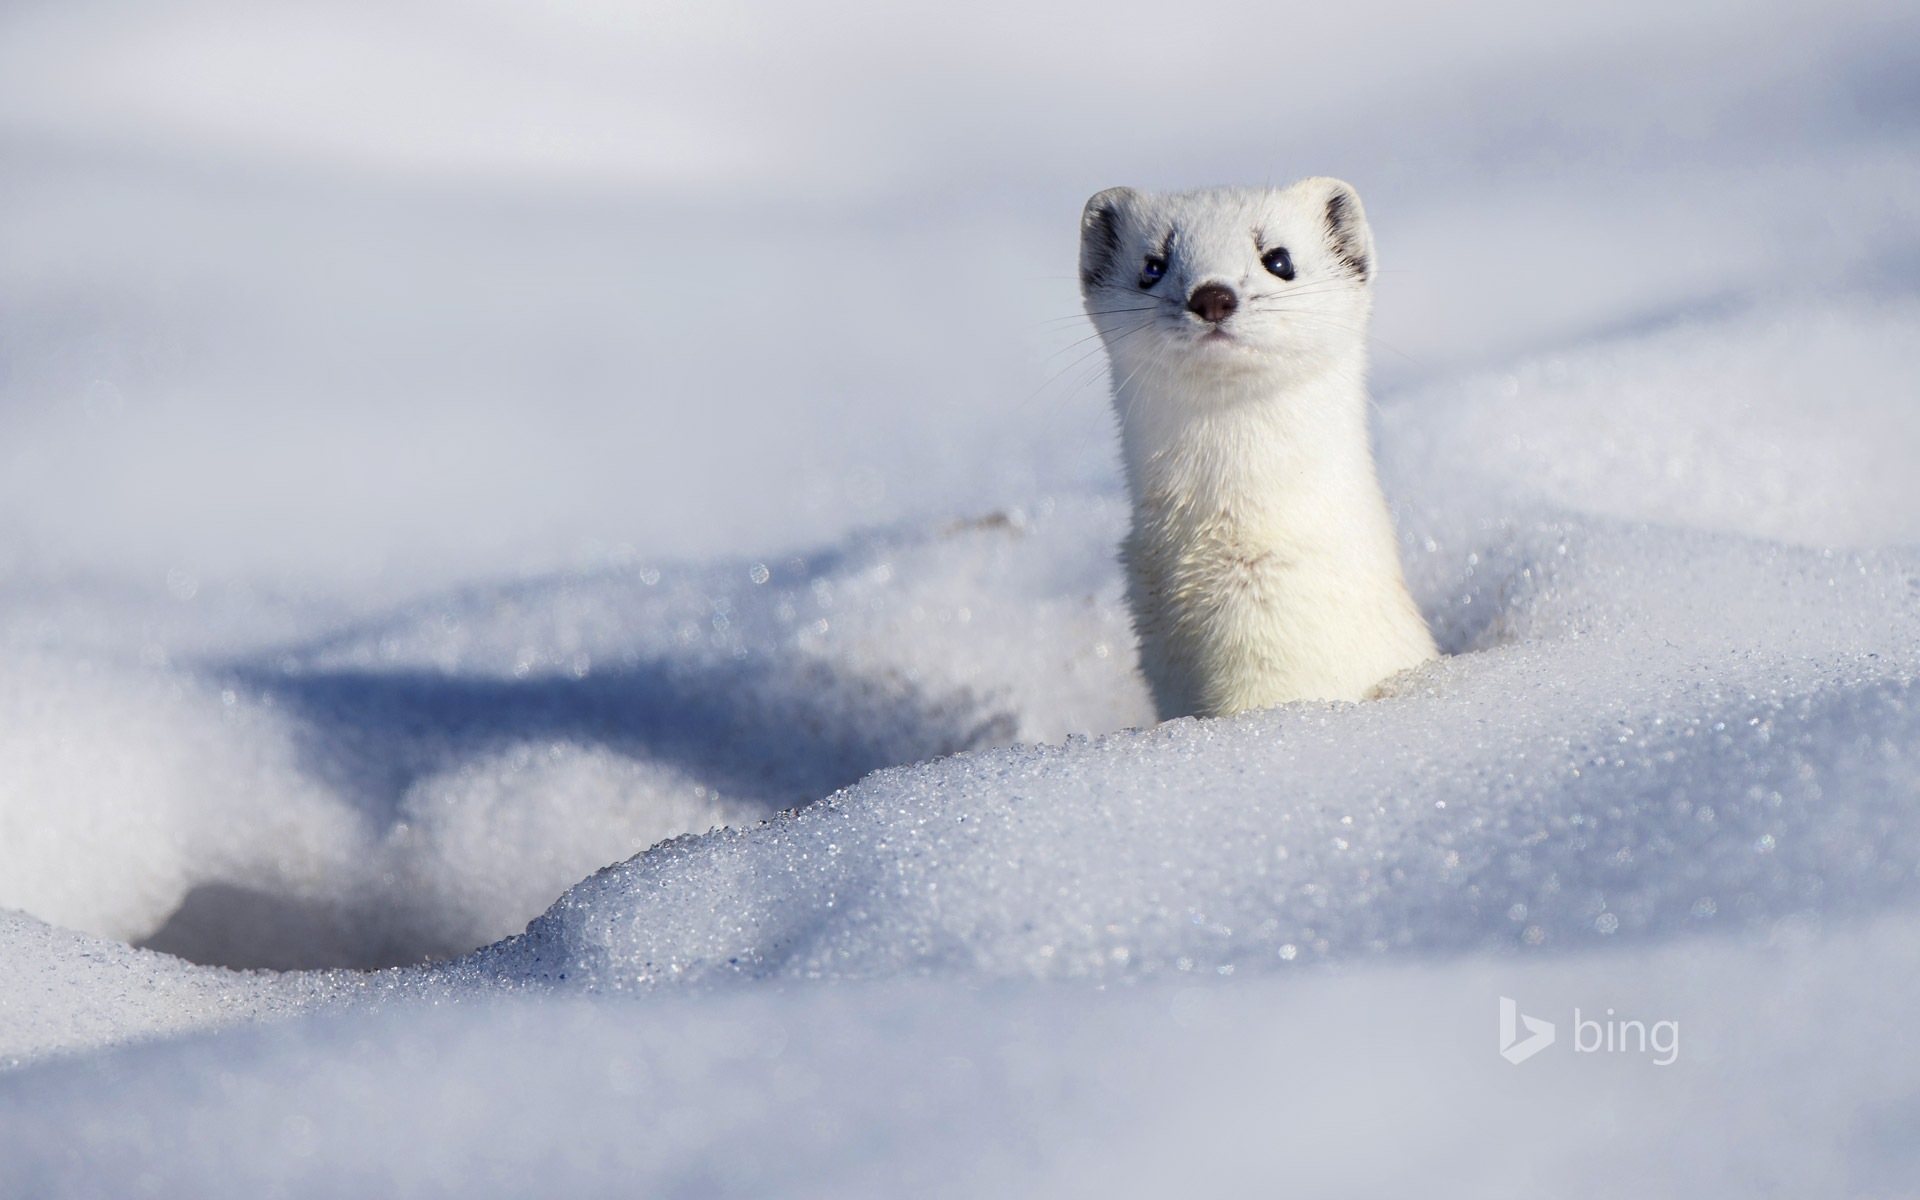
(1278, 261)
(1151, 272)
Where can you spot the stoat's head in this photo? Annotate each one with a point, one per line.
(1228, 280)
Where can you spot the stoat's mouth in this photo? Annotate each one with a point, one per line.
(1220, 341)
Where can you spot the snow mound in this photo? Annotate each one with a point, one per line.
(121, 787)
(1793, 422)
(64, 992)
(1649, 731)
(429, 780)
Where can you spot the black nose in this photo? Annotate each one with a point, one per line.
(1212, 302)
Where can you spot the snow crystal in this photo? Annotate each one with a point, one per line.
(64, 991)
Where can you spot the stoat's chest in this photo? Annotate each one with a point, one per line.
(1214, 558)
(1244, 605)
(1246, 527)
(1235, 506)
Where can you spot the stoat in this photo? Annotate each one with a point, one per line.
(1261, 565)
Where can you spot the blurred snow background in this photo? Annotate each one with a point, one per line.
(414, 292)
(446, 450)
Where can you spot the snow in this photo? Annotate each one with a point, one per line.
(1344, 1084)
(714, 666)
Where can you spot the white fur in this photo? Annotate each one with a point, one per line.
(1262, 565)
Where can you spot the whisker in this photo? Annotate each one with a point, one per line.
(1055, 377)
(1096, 333)
(1120, 389)
(1101, 312)
(1310, 315)
(1324, 288)
(1070, 345)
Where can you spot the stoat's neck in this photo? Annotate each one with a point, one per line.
(1282, 460)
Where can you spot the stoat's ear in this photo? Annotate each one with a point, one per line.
(1100, 234)
(1348, 235)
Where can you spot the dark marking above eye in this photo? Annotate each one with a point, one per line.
(1278, 262)
(1152, 271)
